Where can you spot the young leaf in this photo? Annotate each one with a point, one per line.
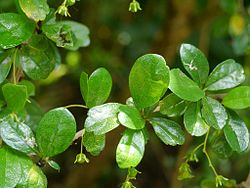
(35, 9)
(55, 132)
(148, 80)
(14, 30)
(54, 165)
(39, 57)
(238, 98)
(130, 149)
(5, 65)
(168, 131)
(172, 105)
(214, 113)
(97, 88)
(195, 62)
(30, 87)
(17, 135)
(227, 74)
(193, 121)
(130, 117)
(94, 144)
(10, 171)
(236, 132)
(102, 119)
(15, 96)
(184, 87)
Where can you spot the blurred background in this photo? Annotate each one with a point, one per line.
(220, 28)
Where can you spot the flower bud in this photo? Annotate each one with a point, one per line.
(81, 158)
(134, 6)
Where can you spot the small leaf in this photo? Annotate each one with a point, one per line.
(148, 80)
(238, 98)
(30, 87)
(227, 74)
(38, 58)
(35, 9)
(5, 65)
(94, 144)
(130, 149)
(17, 135)
(236, 132)
(97, 88)
(130, 117)
(195, 63)
(102, 119)
(184, 87)
(54, 165)
(168, 131)
(55, 132)
(193, 121)
(172, 105)
(15, 96)
(10, 170)
(14, 30)
(214, 113)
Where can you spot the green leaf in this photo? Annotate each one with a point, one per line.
(10, 170)
(30, 87)
(195, 63)
(172, 105)
(15, 96)
(184, 87)
(214, 113)
(168, 131)
(97, 88)
(67, 34)
(238, 98)
(193, 121)
(17, 135)
(102, 119)
(148, 80)
(94, 144)
(38, 58)
(35, 9)
(14, 30)
(54, 165)
(5, 65)
(130, 149)
(55, 132)
(130, 117)
(236, 132)
(227, 74)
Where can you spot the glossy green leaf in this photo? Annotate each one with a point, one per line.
(236, 132)
(227, 74)
(193, 121)
(10, 171)
(148, 80)
(30, 87)
(67, 34)
(39, 57)
(172, 105)
(130, 117)
(238, 98)
(55, 132)
(168, 131)
(130, 149)
(220, 147)
(17, 135)
(14, 30)
(184, 87)
(35, 9)
(5, 65)
(214, 113)
(54, 165)
(96, 89)
(15, 96)
(102, 119)
(94, 144)
(195, 62)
